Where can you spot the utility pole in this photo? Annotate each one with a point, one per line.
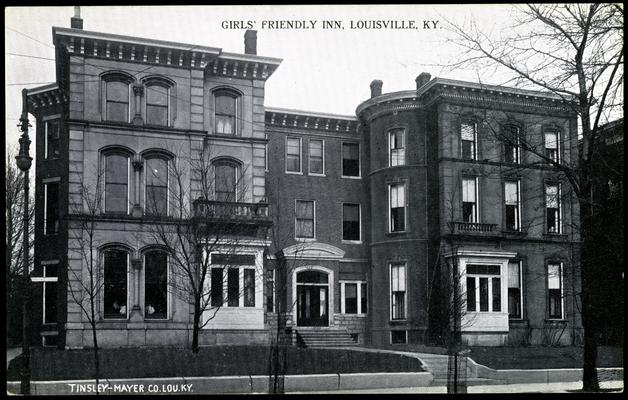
(24, 161)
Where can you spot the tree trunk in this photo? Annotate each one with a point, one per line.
(589, 299)
(196, 327)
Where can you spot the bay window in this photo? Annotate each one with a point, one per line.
(397, 209)
(398, 290)
(483, 288)
(396, 145)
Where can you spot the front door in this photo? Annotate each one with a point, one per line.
(312, 305)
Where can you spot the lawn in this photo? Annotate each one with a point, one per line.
(543, 357)
(54, 364)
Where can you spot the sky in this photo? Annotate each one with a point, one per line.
(323, 70)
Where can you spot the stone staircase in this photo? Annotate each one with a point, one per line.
(324, 337)
(437, 364)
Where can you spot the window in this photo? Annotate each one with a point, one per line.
(515, 293)
(157, 104)
(353, 297)
(304, 219)
(469, 200)
(398, 290)
(554, 290)
(156, 285)
(51, 208)
(351, 222)
(484, 288)
(115, 284)
(249, 287)
(46, 274)
(396, 145)
(397, 207)
(117, 94)
(52, 132)
(233, 287)
(216, 287)
(156, 186)
(316, 157)
(226, 104)
(270, 291)
(468, 139)
(511, 144)
(117, 183)
(513, 209)
(552, 204)
(552, 141)
(398, 337)
(293, 155)
(226, 178)
(350, 160)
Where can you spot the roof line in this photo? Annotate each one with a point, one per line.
(309, 113)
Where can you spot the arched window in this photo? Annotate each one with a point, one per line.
(158, 100)
(115, 285)
(117, 173)
(156, 285)
(116, 96)
(225, 180)
(225, 112)
(156, 188)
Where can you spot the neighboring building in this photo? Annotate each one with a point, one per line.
(342, 223)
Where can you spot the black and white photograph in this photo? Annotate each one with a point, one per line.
(314, 199)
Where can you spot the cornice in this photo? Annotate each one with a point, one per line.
(295, 119)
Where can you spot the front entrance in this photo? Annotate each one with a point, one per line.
(312, 299)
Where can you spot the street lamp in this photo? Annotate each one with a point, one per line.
(24, 164)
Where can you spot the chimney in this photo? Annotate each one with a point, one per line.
(250, 42)
(422, 79)
(376, 88)
(76, 22)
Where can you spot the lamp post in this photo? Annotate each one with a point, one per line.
(24, 164)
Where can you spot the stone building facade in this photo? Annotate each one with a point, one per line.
(359, 224)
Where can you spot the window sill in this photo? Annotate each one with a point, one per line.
(311, 174)
(293, 173)
(353, 315)
(305, 239)
(397, 232)
(351, 241)
(351, 177)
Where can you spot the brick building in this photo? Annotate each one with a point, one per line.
(336, 224)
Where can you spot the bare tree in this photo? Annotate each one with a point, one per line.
(574, 51)
(14, 204)
(86, 283)
(207, 215)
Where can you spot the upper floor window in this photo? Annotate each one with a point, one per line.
(469, 200)
(47, 275)
(512, 205)
(52, 132)
(157, 104)
(396, 145)
(226, 112)
(51, 207)
(552, 145)
(351, 159)
(316, 157)
(305, 219)
(468, 139)
(117, 94)
(553, 208)
(156, 285)
(117, 170)
(293, 154)
(350, 222)
(511, 144)
(156, 189)
(115, 285)
(397, 199)
(555, 290)
(226, 181)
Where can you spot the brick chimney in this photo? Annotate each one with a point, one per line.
(376, 88)
(250, 42)
(76, 22)
(422, 79)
